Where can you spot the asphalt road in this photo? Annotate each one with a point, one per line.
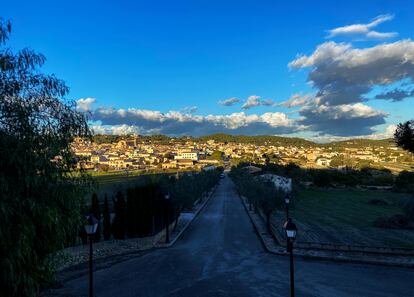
(221, 255)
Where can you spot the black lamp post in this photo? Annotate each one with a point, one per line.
(167, 215)
(90, 228)
(287, 201)
(291, 231)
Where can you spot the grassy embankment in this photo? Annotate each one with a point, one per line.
(346, 216)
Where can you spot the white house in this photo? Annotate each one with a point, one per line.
(187, 155)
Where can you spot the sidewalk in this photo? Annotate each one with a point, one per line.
(72, 262)
(273, 245)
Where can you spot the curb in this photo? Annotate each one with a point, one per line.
(256, 227)
(172, 242)
(79, 269)
(306, 256)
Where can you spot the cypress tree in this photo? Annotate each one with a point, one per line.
(119, 222)
(96, 212)
(106, 220)
(130, 211)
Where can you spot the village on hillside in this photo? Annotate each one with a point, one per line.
(139, 153)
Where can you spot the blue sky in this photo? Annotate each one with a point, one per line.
(158, 57)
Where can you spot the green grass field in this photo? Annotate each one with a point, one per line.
(113, 180)
(345, 216)
(345, 207)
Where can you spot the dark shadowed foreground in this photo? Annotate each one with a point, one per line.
(220, 255)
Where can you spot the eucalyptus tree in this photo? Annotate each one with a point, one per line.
(41, 195)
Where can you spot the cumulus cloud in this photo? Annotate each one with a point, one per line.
(252, 101)
(268, 102)
(190, 109)
(343, 74)
(341, 120)
(396, 95)
(178, 123)
(364, 30)
(85, 104)
(229, 102)
(116, 129)
(387, 133)
(297, 100)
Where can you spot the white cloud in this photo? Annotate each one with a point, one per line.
(341, 120)
(190, 109)
(387, 133)
(343, 74)
(377, 135)
(364, 30)
(178, 123)
(251, 101)
(229, 102)
(380, 35)
(268, 102)
(85, 104)
(297, 100)
(116, 129)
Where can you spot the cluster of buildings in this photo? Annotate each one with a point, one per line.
(140, 153)
(323, 156)
(134, 154)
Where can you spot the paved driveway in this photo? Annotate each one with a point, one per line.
(221, 255)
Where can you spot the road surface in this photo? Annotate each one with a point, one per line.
(221, 255)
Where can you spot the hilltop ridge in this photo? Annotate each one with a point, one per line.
(257, 139)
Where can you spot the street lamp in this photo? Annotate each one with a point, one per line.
(287, 201)
(167, 209)
(90, 228)
(291, 231)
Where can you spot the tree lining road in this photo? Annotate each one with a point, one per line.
(221, 255)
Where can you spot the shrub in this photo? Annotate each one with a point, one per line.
(404, 182)
(322, 178)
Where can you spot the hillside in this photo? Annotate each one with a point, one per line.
(258, 140)
(363, 143)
